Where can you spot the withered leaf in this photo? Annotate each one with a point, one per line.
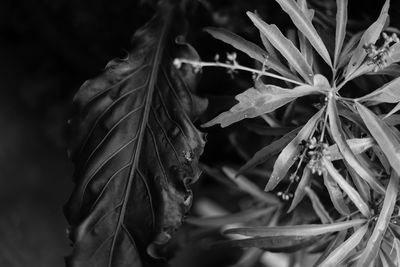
(135, 150)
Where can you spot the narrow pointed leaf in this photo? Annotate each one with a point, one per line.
(394, 55)
(303, 23)
(269, 151)
(264, 99)
(389, 93)
(346, 187)
(340, 253)
(296, 230)
(357, 146)
(383, 136)
(319, 209)
(348, 155)
(336, 195)
(300, 192)
(394, 110)
(284, 46)
(246, 185)
(289, 154)
(339, 239)
(135, 149)
(374, 243)
(371, 35)
(305, 46)
(341, 22)
(240, 217)
(251, 49)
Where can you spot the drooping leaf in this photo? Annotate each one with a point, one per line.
(383, 135)
(318, 207)
(303, 23)
(357, 146)
(300, 192)
(341, 22)
(336, 195)
(247, 186)
(296, 230)
(269, 151)
(340, 253)
(135, 150)
(289, 154)
(243, 216)
(263, 99)
(388, 93)
(371, 35)
(348, 155)
(274, 244)
(374, 243)
(346, 187)
(284, 46)
(251, 49)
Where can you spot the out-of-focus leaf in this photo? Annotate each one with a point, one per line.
(289, 154)
(246, 185)
(303, 23)
(300, 192)
(389, 93)
(263, 99)
(341, 22)
(319, 209)
(346, 187)
(383, 136)
(396, 243)
(274, 244)
(391, 70)
(394, 55)
(295, 230)
(348, 155)
(239, 217)
(263, 129)
(269, 47)
(135, 150)
(251, 49)
(269, 151)
(284, 46)
(374, 243)
(340, 253)
(371, 35)
(339, 239)
(394, 110)
(357, 145)
(336, 194)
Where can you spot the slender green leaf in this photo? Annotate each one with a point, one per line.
(336, 195)
(251, 49)
(348, 155)
(357, 146)
(240, 217)
(296, 230)
(394, 110)
(305, 46)
(341, 252)
(300, 192)
(388, 93)
(284, 46)
(397, 247)
(251, 188)
(371, 250)
(318, 207)
(341, 22)
(347, 50)
(269, 47)
(383, 136)
(335, 243)
(303, 23)
(346, 187)
(362, 187)
(289, 154)
(269, 151)
(264, 99)
(371, 35)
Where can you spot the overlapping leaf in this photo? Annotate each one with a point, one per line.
(357, 146)
(135, 150)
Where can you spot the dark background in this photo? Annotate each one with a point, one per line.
(48, 48)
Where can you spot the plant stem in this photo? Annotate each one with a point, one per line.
(200, 64)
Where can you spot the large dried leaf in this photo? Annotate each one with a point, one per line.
(374, 243)
(284, 46)
(135, 150)
(303, 23)
(264, 99)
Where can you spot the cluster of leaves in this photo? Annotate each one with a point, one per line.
(349, 146)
